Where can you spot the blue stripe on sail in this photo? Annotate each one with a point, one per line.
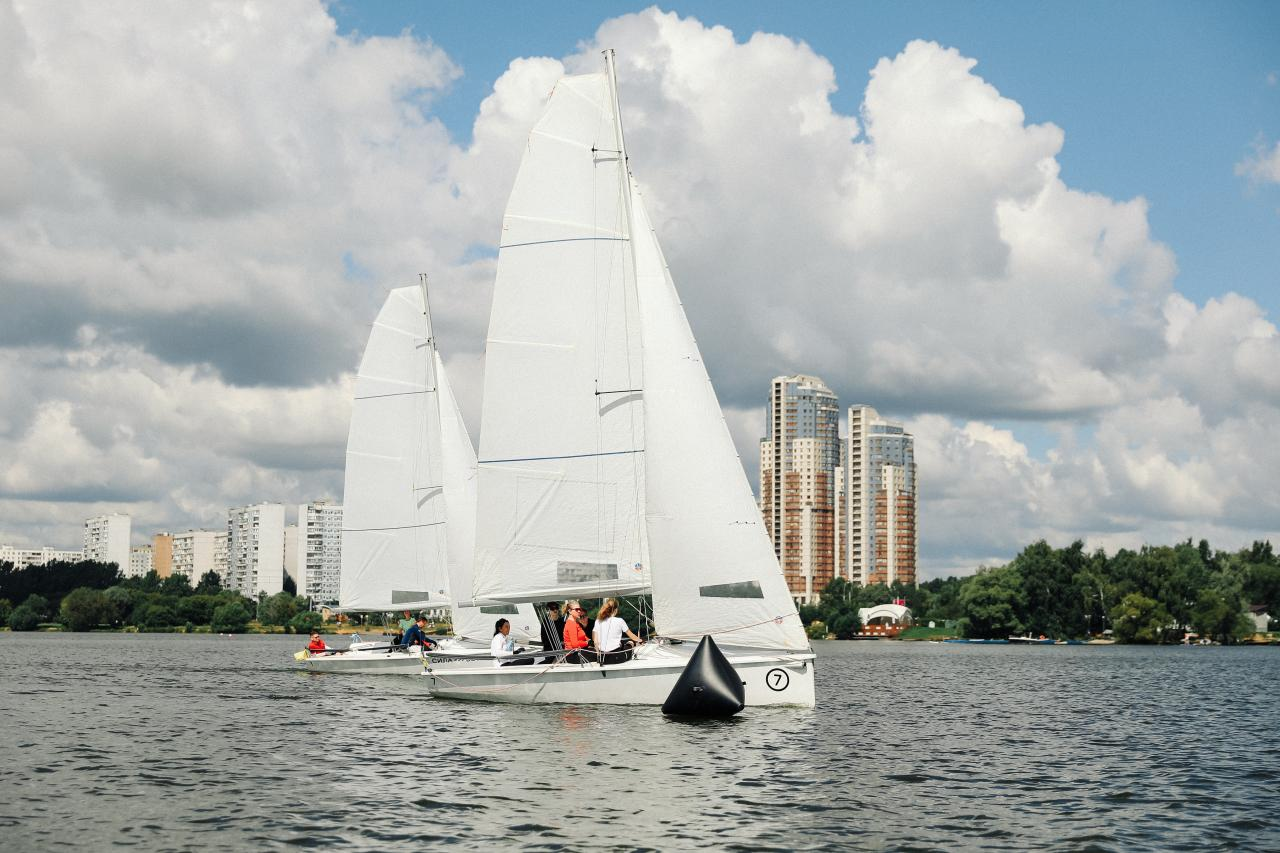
(564, 240)
(569, 456)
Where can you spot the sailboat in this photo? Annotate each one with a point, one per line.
(409, 502)
(606, 467)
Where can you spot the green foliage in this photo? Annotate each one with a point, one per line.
(198, 609)
(210, 584)
(992, 602)
(6, 607)
(305, 622)
(838, 607)
(54, 580)
(120, 602)
(817, 630)
(159, 614)
(24, 618)
(84, 609)
(231, 618)
(1139, 619)
(280, 608)
(39, 605)
(290, 586)
(846, 625)
(176, 585)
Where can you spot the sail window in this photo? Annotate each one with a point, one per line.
(741, 589)
(568, 573)
(408, 596)
(501, 610)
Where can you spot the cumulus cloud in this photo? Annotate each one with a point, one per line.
(201, 207)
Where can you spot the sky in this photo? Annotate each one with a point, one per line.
(1044, 236)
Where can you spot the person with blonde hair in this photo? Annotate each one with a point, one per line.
(609, 631)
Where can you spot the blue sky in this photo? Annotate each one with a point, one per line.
(1157, 99)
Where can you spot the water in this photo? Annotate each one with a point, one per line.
(181, 742)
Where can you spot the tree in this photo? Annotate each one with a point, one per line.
(846, 625)
(176, 586)
(120, 602)
(817, 630)
(24, 618)
(290, 586)
(6, 607)
(210, 584)
(84, 609)
(280, 608)
(39, 605)
(158, 614)
(230, 618)
(305, 622)
(1139, 619)
(198, 609)
(992, 602)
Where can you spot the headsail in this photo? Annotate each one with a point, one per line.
(393, 538)
(561, 487)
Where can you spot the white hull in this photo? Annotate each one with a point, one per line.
(384, 661)
(771, 678)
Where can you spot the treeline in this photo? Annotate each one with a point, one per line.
(1154, 595)
(84, 595)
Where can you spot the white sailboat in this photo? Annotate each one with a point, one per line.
(606, 467)
(409, 503)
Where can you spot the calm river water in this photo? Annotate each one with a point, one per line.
(179, 742)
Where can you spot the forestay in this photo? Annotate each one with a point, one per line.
(714, 570)
(561, 485)
(394, 547)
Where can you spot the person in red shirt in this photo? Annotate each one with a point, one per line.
(575, 632)
(316, 644)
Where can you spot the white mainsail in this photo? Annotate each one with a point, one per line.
(605, 462)
(561, 487)
(394, 548)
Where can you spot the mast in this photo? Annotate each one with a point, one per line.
(622, 150)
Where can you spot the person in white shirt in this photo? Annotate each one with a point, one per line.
(503, 644)
(608, 633)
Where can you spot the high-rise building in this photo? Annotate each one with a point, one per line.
(291, 556)
(798, 459)
(140, 561)
(320, 550)
(23, 557)
(879, 533)
(106, 539)
(255, 549)
(221, 552)
(195, 552)
(162, 554)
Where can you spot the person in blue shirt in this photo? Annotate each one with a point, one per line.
(417, 635)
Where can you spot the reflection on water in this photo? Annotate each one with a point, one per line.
(184, 742)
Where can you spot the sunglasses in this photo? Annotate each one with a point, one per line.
(578, 610)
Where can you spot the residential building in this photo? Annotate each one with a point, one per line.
(162, 554)
(221, 552)
(291, 556)
(319, 550)
(23, 557)
(195, 553)
(106, 540)
(255, 549)
(799, 456)
(880, 504)
(140, 562)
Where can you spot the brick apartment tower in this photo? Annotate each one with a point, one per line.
(879, 537)
(799, 456)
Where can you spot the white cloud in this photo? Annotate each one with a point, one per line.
(1262, 164)
(200, 208)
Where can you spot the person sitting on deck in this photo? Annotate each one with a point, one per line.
(417, 635)
(575, 633)
(316, 644)
(609, 630)
(552, 630)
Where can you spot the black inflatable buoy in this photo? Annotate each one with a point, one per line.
(708, 687)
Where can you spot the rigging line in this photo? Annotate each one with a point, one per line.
(566, 240)
(567, 456)
(622, 391)
(402, 527)
(396, 394)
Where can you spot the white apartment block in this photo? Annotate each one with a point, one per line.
(291, 564)
(195, 552)
(23, 557)
(106, 539)
(140, 561)
(255, 549)
(319, 550)
(221, 552)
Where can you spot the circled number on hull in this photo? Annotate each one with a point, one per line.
(777, 680)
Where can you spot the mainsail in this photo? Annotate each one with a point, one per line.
(561, 492)
(394, 548)
(605, 463)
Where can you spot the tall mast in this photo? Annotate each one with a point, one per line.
(622, 150)
(426, 310)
